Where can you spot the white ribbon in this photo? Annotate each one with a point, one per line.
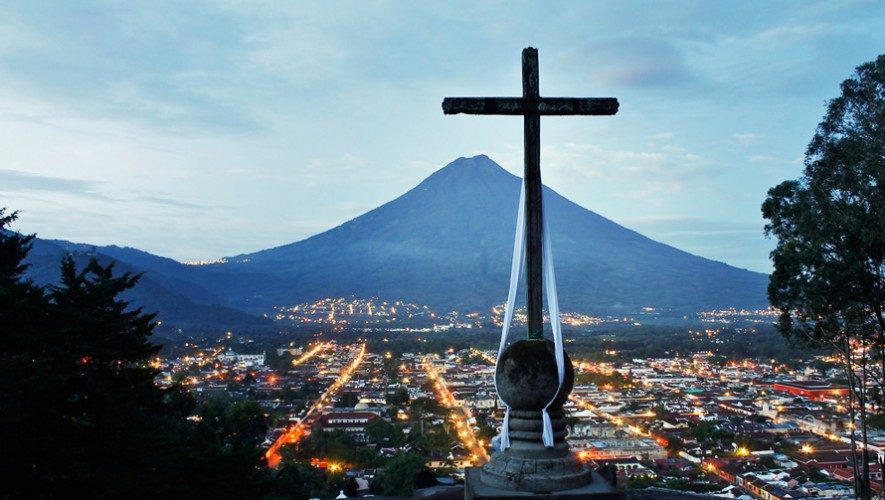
(555, 325)
(517, 265)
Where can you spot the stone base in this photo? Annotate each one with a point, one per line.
(530, 466)
(508, 470)
(476, 489)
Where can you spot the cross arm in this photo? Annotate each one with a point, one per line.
(522, 106)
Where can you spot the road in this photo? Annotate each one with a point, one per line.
(322, 346)
(461, 416)
(297, 431)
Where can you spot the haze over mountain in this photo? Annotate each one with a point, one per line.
(446, 243)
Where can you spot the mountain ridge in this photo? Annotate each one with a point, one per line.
(176, 299)
(466, 191)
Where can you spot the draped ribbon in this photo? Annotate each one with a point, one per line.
(516, 268)
(553, 307)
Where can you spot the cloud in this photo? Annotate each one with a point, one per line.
(135, 63)
(347, 167)
(635, 62)
(13, 181)
(662, 136)
(747, 137)
(653, 175)
(664, 163)
(792, 33)
(171, 202)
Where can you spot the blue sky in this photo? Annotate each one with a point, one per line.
(198, 130)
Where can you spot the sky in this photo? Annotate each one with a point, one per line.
(201, 130)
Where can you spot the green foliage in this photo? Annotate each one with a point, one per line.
(616, 380)
(385, 434)
(472, 358)
(703, 431)
(679, 483)
(334, 446)
(232, 425)
(684, 484)
(347, 400)
(395, 478)
(817, 475)
(661, 411)
(398, 397)
(641, 483)
(426, 407)
(300, 481)
(829, 261)
(486, 431)
(830, 224)
(674, 445)
(876, 421)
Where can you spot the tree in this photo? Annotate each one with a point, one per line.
(101, 349)
(384, 434)
(395, 478)
(27, 409)
(300, 481)
(829, 264)
(674, 445)
(347, 400)
(398, 397)
(421, 408)
(80, 415)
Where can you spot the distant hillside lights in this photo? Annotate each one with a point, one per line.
(400, 315)
(733, 315)
(375, 313)
(209, 262)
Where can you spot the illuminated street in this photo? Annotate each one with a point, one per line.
(297, 431)
(461, 415)
(312, 352)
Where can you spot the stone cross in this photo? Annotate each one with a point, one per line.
(531, 106)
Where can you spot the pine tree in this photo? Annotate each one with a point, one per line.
(101, 346)
(29, 411)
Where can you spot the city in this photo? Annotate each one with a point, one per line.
(696, 422)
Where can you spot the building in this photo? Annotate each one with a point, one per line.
(811, 389)
(245, 360)
(641, 448)
(353, 423)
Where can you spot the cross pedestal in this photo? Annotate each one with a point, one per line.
(597, 489)
(527, 379)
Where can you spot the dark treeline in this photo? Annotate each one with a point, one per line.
(80, 415)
